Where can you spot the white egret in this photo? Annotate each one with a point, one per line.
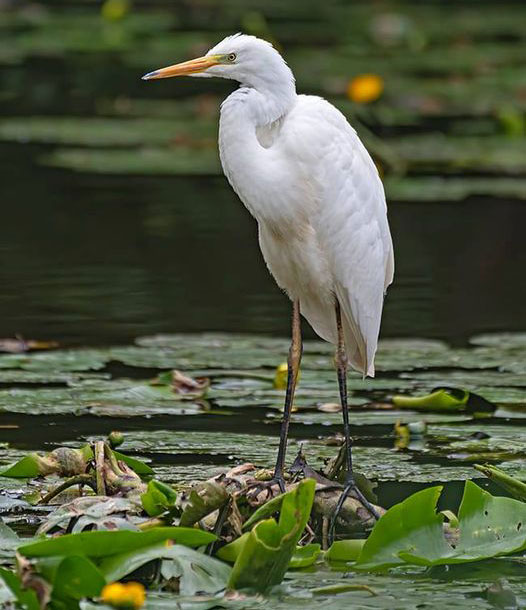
(305, 176)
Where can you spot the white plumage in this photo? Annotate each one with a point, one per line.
(303, 173)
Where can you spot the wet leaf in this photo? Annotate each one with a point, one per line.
(439, 400)
(270, 546)
(305, 556)
(92, 512)
(202, 500)
(194, 572)
(74, 578)
(513, 486)
(345, 550)
(104, 543)
(230, 552)
(412, 531)
(25, 597)
(9, 541)
(158, 498)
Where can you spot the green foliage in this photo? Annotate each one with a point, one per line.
(72, 578)
(305, 556)
(138, 466)
(344, 550)
(266, 510)
(302, 557)
(269, 548)
(25, 598)
(512, 485)
(230, 552)
(203, 500)
(439, 400)
(158, 498)
(413, 532)
(193, 571)
(99, 544)
(27, 467)
(59, 462)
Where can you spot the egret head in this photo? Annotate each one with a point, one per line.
(249, 60)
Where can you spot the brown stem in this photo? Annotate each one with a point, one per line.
(154, 522)
(99, 468)
(80, 479)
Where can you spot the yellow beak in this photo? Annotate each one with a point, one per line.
(187, 67)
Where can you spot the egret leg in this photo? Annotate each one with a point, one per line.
(350, 484)
(294, 359)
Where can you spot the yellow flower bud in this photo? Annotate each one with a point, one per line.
(114, 10)
(365, 88)
(280, 378)
(125, 596)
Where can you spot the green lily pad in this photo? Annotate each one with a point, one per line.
(412, 532)
(57, 360)
(100, 544)
(195, 572)
(103, 131)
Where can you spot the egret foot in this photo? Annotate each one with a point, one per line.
(350, 486)
(254, 489)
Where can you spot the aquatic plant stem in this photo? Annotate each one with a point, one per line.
(99, 468)
(80, 479)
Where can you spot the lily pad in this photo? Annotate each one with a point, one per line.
(412, 532)
(194, 572)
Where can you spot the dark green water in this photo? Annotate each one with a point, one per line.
(102, 259)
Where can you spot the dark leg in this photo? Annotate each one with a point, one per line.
(350, 485)
(294, 359)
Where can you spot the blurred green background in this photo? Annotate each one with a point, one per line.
(116, 220)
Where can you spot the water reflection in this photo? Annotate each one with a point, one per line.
(92, 259)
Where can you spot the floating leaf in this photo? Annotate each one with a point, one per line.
(104, 543)
(445, 399)
(137, 465)
(195, 572)
(9, 541)
(92, 512)
(439, 400)
(412, 531)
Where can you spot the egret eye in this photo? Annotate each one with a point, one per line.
(231, 57)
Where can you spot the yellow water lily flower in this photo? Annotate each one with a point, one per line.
(365, 88)
(125, 596)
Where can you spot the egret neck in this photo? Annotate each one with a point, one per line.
(250, 121)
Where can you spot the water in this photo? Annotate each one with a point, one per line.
(92, 259)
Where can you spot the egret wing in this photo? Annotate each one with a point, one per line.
(350, 220)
